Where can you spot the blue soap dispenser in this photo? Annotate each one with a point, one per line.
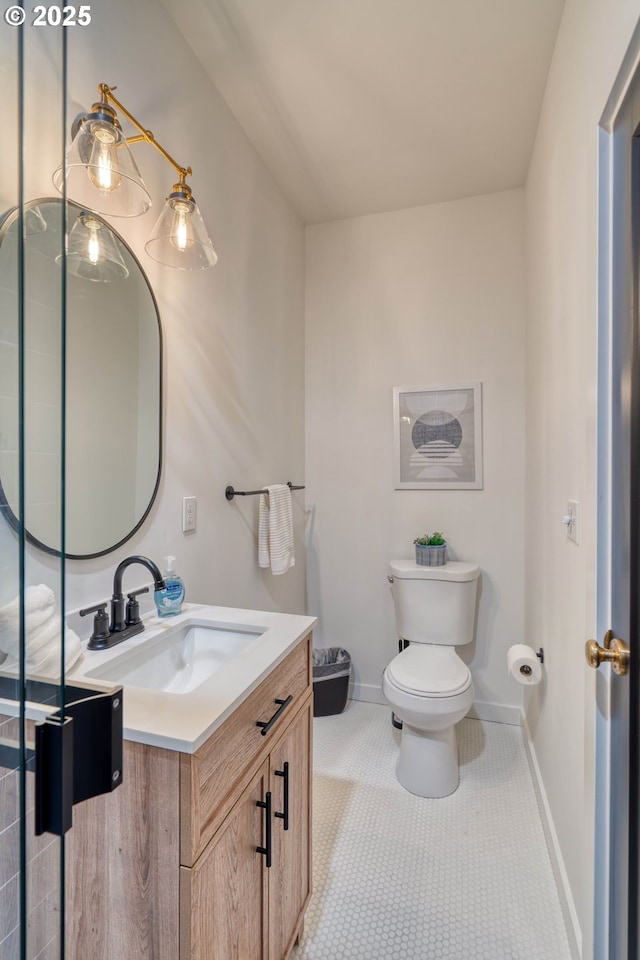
(169, 600)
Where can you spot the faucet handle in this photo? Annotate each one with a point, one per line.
(132, 616)
(97, 608)
(100, 621)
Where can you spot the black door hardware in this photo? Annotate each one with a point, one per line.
(284, 773)
(78, 750)
(267, 850)
(267, 724)
(54, 776)
(90, 755)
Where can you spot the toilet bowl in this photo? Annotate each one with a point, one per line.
(427, 685)
(430, 689)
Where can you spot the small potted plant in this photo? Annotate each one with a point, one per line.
(431, 550)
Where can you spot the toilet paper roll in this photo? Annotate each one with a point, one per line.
(523, 664)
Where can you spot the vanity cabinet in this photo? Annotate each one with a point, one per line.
(235, 904)
(174, 869)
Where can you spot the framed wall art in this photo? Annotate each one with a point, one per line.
(437, 434)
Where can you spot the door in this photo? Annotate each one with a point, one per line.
(223, 897)
(60, 743)
(31, 597)
(618, 575)
(290, 875)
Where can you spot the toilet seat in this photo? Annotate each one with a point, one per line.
(425, 670)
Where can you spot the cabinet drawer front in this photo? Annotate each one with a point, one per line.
(208, 777)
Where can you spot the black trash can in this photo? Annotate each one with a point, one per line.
(331, 670)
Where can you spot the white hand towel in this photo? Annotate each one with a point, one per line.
(45, 662)
(39, 607)
(263, 530)
(43, 628)
(275, 529)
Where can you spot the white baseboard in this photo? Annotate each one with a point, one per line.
(555, 854)
(369, 692)
(496, 712)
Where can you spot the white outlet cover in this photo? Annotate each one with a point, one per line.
(189, 514)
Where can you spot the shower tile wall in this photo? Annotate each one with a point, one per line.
(43, 867)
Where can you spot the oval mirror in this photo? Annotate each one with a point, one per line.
(113, 405)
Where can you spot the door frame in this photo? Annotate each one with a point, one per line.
(614, 828)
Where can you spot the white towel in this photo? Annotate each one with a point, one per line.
(39, 606)
(275, 529)
(42, 635)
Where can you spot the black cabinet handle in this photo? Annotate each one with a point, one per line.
(285, 813)
(267, 724)
(267, 849)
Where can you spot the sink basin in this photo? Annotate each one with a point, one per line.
(180, 659)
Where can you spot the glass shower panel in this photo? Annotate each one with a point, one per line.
(12, 839)
(32, 351)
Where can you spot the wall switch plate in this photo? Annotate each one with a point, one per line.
(573, 527)
(189, 511)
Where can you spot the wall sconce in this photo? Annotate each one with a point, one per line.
(102, 176)
(92, 251)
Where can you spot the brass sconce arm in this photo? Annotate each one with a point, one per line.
(146, 136)
(101, 175)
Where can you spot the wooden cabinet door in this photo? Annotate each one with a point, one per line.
(290, 875)
(223, 897)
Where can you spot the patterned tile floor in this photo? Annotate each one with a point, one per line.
(397, 877)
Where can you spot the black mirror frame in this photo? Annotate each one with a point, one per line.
(6, 221)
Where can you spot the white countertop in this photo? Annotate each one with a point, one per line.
(184, 721)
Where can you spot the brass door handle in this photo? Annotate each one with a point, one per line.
(615, 652)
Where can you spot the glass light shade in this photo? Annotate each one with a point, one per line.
(101, 172)
(92, 252)
(180, 238)
(34, 222)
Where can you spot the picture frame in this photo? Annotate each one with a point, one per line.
(437, 434)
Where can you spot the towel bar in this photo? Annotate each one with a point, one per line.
(230, 493)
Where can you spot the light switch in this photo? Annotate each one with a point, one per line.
(189, 510)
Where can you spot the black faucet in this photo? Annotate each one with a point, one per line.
(118, 620)
(124, 622)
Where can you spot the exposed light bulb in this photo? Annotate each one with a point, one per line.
(180, 238)
(181, 234)
(103, 166)
(93, 246)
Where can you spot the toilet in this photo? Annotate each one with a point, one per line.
(427, 685)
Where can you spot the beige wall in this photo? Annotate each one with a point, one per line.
(561, 216)
(426, 295)
(233, 335)
(429, 295)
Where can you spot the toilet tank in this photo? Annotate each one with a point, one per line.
(435, 604)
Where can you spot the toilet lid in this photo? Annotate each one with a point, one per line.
(455, 570)
(429, 671)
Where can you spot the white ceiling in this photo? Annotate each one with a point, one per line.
(362, 106)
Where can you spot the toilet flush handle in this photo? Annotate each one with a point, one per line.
(389, 578)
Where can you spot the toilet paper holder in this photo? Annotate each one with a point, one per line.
(525, 669)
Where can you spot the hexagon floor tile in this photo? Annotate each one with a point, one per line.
(398, 877)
